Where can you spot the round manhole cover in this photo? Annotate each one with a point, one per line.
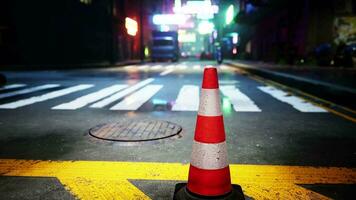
(135, 131)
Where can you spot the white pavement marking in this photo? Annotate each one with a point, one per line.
(130, 67)
(188, 99)
(166, 72)
(13, 86)
(240, 101)
(44, 97)
(226, 68)
(294, 101)
(182, 67)
(196, 67)
(121, 94)
(170, 66)
(209, 156)
(142, 67)
(228, 82)
(156, 67)
(90, 98)
(209, 103)
(137, 99)
(28, 90)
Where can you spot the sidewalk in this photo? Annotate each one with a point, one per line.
(335, 84)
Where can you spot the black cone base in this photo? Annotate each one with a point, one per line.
(181, 193)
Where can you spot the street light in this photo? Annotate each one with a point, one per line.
(131, 26)
(229, 14)
(205, 27)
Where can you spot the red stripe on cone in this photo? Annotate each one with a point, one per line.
(210, 79)
(209, 182)
(209, 129)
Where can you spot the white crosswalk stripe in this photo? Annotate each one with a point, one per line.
(28, 90)
(13, 86)
(170, 67)
(121, 94)
(156, 67)
(240, 101)
(143, 67)
(168, 71)
(196, 67)
(90, 98)
(137, 99)
(44, 97)
(129, 67)
(181, 67)
(188, 99)
(294, 101)
(133, 97)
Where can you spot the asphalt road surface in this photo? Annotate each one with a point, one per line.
(302, 149)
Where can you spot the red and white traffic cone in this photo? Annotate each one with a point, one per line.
(209, 172)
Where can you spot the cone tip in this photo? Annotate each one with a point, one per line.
(210, 78)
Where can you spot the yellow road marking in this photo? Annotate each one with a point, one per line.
(88, 188)
(109, 180)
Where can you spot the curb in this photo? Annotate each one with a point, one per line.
(334, 93)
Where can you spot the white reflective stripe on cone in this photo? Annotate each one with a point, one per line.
(209, 66)
(209, 156)
(209, 104)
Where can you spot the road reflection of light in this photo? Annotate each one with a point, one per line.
(159, 101)
(161, 105)
(133, 76)
(131, 114)
(226, 106)
(130, 99)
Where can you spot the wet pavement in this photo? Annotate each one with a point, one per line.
(265, 126)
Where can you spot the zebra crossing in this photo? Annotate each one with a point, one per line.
(132, 97)
(13, 86)
(165, 69)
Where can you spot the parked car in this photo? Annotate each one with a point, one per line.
(345, 55)
(323, 54)
(165, 46)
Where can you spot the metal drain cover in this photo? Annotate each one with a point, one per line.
(135, 131)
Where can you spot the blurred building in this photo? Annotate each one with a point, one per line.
(75, 31)
(287, 31)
